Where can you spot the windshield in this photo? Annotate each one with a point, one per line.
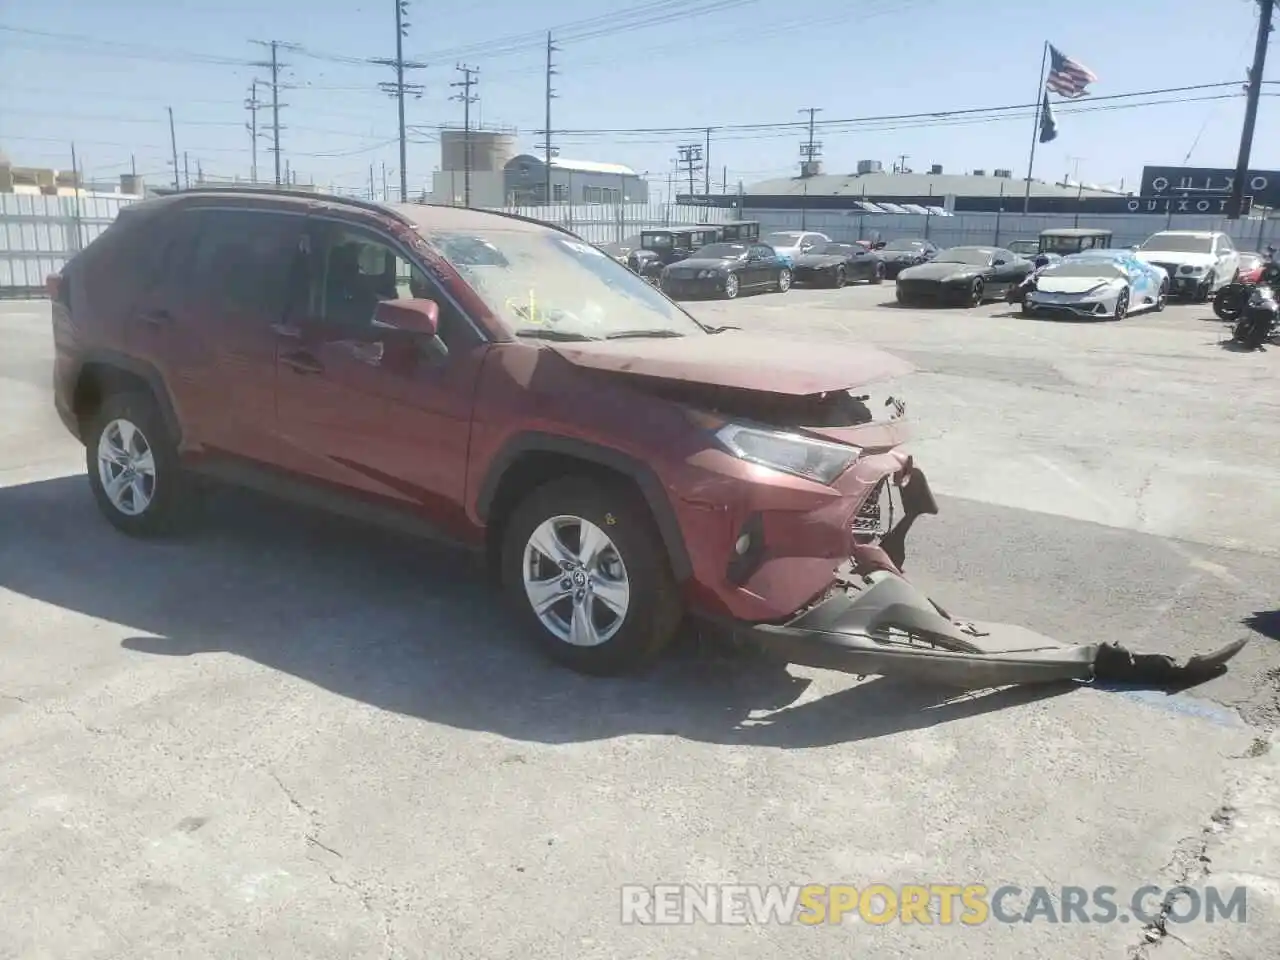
(721, 251)
(1178, 243)
(653, 241)
(541, 283)
(976, 256)
(776, 240)
(1096, 267)
(910, 246)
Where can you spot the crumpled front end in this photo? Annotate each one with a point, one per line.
(873, 621)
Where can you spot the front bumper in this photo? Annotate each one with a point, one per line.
(692, 287)
(1183, 285)
(1082, 309)
(873, 621)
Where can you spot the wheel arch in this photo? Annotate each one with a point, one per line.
(531, 459)
(104, 372)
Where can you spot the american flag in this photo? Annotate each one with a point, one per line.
(1068, 78)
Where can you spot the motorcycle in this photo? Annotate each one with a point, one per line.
(1259, 319)
(1230, 301)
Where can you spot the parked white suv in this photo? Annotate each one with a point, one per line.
(789, 244)
(1198, 261)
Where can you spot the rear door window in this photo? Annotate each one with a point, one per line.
(245, 260)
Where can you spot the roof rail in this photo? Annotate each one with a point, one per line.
(270, 190)
(503, 213)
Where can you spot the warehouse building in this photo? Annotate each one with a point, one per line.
(977, 191)
(573, 181)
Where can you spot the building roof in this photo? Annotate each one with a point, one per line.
(581, 166)
(914, 185)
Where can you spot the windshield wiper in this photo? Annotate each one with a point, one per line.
(635, 334)
(549, 334)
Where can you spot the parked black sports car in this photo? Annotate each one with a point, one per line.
(834, 264)
(725, 270)
(963, 275)
(900, 254)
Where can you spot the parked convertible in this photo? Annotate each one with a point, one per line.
(725, 270)
(1101, 284)
(965, 276)
(900, 254)
(835, 264)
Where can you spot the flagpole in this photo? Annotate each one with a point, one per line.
(1035, 130)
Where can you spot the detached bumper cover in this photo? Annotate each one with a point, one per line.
(882, 625)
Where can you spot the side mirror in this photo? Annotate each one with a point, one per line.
(1134, 248)
(411, 316)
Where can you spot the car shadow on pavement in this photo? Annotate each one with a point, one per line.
(412, 628)
(1265, 622)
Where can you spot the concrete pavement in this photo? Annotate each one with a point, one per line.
(290, 737)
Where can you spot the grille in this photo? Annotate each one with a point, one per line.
(1169, 268)
(918, 288)
(875, 517)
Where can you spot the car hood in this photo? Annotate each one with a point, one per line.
(900, 254)
(1047, 283)
(743, 361)
(940, 271)
(702, 264)
(1178, 258)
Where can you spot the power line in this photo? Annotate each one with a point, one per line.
(399, 88)
(468, 81)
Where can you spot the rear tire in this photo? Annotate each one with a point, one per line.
(134, 470)
(633, 566)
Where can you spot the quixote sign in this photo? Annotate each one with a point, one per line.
(1262, 185)
(1186, 203)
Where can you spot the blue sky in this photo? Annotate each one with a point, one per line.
(735, 62)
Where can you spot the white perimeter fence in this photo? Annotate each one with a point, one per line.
(38, 234)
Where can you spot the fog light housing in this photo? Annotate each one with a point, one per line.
(748, 551)
(743, 545)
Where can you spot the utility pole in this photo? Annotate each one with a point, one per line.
(811, 150)
(173, 145)
(398, 88)
(690, 155)
(902, 162)
(385, 192)
(275, 66)
(371, 194)
(253, 105)
(1251, 109)
(706, 164)
(466, 83)
(549, 151)
(186, 170)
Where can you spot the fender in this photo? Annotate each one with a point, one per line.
(651, 486)
(145, 372)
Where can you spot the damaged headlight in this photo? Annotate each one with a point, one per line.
(791, 453)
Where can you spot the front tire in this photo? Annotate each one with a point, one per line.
(134, 471)
(977, 290)
(1162, 298)
(784, 280)
(1205, 289)
(1122, 305)
(584, 564)
(731, 286)
(877, 274)
(1227, 303)
(839, 279)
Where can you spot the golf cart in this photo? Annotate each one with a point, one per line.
(658, 248)
(1065, 241)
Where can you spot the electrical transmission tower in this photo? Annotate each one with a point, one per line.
(275, 66)
(399, 89)
(469, 75)
(811, 149)
(690, 155)
(549, 151)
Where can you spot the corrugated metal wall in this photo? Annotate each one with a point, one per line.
(38, 234)
(992, 229)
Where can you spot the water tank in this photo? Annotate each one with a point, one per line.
(979, 173)
(490, 149)
(936, 168)
(1004, 174)
(870, 166)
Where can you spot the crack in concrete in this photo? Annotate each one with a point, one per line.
(1189, 865)
(50, 711)
(367, 899)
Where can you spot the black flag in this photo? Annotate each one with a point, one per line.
(1048, 126)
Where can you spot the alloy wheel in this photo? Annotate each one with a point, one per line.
(576, 581)
(731, 286)
(126, 467)
(1122, 305)
(840, 277)
(784, 280)
(975, 294)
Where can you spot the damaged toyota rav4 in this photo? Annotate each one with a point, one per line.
(500, 383)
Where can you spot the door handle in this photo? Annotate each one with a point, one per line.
(302, 363)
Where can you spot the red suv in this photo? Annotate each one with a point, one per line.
(500, 383)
